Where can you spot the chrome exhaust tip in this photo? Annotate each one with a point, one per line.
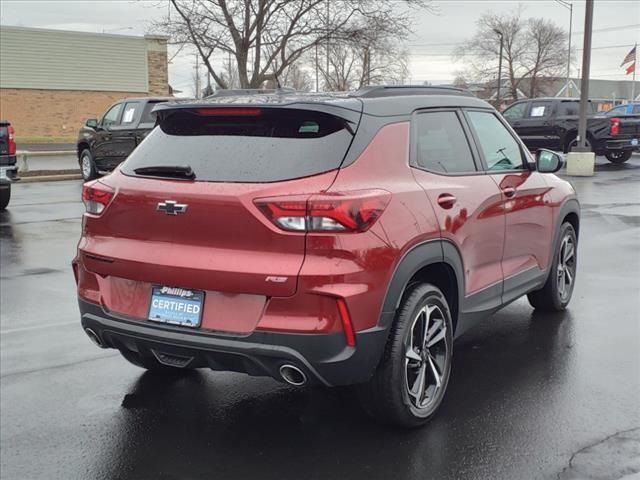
(293, 375)
(93, 336)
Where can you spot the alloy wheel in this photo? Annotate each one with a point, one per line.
(86, 166)
(426, 356)
(566, 270)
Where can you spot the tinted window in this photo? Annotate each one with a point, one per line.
(112, 117)
(501, 151)
(147, 116)
(130, 113)
(441, 145)
(636, 109)
(271, 145)
(572, 107)
(515, 112)
(540, 109)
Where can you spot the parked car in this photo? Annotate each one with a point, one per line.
(104, 144)
(331, 239)
(553, 123)
(631, 108)
(8, 167)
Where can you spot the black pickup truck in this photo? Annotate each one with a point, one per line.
(553, 123)
(104, 144)
(8, 168)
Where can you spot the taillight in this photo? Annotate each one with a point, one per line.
(614, 126)
(96, 196)
(229, 111)
(12, 140)
(328, 212)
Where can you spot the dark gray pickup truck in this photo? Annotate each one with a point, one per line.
(553, 123)
(8, 168)
(104, 144)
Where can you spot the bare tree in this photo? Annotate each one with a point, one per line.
(532, 49)
(372, 54)
(265, 37)
(296, 77)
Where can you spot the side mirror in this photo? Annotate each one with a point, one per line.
(548, 161)
(92, 122)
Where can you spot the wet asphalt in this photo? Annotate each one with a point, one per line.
(531, 395)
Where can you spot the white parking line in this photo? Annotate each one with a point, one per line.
(37, 327)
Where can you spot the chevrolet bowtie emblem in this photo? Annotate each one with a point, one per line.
(171, 207)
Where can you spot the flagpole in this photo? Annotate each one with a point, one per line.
(633, 82)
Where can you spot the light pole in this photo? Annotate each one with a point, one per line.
(584, 84)
(499, 67)
(568, 5)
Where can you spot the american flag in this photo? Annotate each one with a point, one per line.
(631, 57)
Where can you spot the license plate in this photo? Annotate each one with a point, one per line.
(177, 306)
(634, 142)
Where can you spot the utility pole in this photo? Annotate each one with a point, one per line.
(327, 23)
(584, 83)
(499, 67)
(568, 5)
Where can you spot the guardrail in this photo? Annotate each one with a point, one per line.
(23, 157)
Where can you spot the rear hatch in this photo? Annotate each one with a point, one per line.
(202, 230)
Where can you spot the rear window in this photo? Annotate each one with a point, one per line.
(571, 107)
(148, 117)
(256, 145)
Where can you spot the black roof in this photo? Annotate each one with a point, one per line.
(376, 100)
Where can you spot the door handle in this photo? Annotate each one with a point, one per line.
(509, 191)
(516, 124)
(446, 200)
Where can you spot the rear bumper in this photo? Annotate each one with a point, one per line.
(623, 144)
(8, 169)
(324, 358)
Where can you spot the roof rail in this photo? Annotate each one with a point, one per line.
(398, 90)
(253, 91)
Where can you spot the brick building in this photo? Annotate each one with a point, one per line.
(51, 81)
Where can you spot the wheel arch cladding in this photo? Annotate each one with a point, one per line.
(569, 212)
(81, 147)
(574, 219)
(437, 262)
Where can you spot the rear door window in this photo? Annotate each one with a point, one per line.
(245, 144)
(539, 109)
(441, 144)
(130, 114)
(148, 118)
(500, 150)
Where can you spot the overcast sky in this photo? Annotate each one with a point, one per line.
(616, 28)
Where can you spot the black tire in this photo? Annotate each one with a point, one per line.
(88, 167)
(619, 156)
(387, 397)
(152, 364)
(554, 297)
(5, 196)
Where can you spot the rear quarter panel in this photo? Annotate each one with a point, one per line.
(361, 265)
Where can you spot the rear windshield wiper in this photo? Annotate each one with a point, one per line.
(172, 171)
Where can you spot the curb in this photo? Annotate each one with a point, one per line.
(50, 178)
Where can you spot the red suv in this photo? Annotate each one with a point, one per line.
(323, 239)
